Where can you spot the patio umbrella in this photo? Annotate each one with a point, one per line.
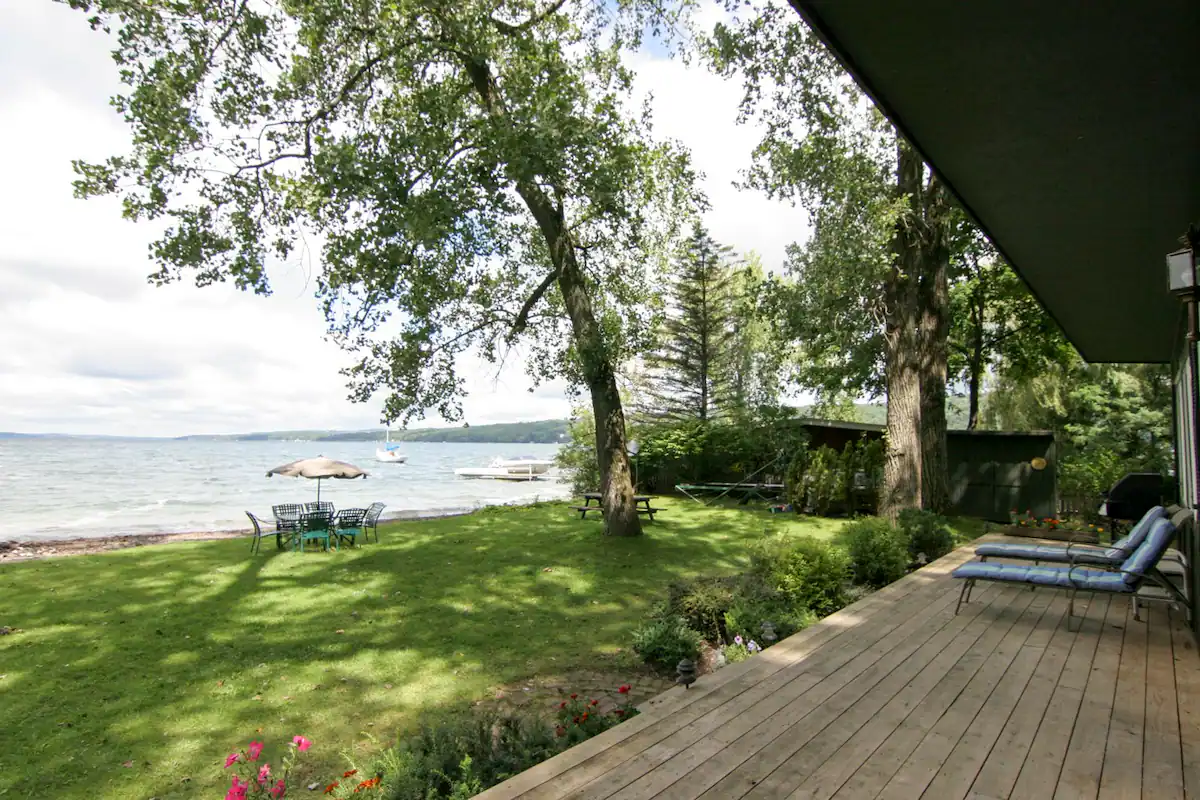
(319, 469)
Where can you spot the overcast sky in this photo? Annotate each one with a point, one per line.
(87, 346)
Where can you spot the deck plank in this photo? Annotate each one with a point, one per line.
(745, 727)
(1187, 689)
(1080, 776)
(1122, 769)
(999, 772)
(958, 774)
(674, 709)
(826, 780)
(915, 775)
(896, 696)
(1162, 757)
(1039, 774)
(890, 756)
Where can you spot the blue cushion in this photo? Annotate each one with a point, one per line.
(1097, 580)
(1138, 533)
(1053, 553)
(1150, 551)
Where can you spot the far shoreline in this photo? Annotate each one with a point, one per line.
(19, 550)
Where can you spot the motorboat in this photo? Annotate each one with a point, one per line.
(508, 469)
(390, 453)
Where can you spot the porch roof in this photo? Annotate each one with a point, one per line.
(1069, 131)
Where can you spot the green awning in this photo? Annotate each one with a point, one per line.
(1070, 131)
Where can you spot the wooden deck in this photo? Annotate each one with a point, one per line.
(897, 697)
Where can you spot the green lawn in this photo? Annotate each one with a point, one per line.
(166, 658)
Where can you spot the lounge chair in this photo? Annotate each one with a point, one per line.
(1110, 556)
(1139, 568)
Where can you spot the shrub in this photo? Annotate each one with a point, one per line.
(757, 604)
(580, 719)
(878, 550)
(927, 532)
(823, 477)
(663, 643)
(702, 602)
(456, 755)
(806, 572)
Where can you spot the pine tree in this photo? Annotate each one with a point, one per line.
(690, 370)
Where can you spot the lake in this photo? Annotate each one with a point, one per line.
(70, 488)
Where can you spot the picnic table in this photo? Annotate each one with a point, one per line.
(640, 501)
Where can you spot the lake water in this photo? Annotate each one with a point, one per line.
(71, 488)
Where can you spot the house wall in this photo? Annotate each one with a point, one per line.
(1186, 394)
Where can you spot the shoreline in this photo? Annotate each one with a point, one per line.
(17, 550)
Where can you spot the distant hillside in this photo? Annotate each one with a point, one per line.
(547, 431)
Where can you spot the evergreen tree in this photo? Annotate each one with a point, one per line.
(690, 369)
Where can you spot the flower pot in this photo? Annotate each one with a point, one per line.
(1055, 534)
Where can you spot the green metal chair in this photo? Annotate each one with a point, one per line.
(371, 521)
(350, 525)
(256, 544)
(315, 526)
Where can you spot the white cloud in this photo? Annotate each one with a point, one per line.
(87, 346)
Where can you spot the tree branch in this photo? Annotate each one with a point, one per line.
(522, 319)
(510, 29)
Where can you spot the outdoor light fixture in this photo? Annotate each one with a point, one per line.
(1181, 266)
(685, 671)
(768, 632)
(632, 448)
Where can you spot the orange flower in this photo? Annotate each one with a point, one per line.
(349, 772)
(329, 789)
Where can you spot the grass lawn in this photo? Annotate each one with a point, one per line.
(135, 672)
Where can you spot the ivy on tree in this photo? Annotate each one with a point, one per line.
(471, 169)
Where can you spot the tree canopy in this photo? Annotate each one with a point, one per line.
(473, 172)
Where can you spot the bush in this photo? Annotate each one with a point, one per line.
(807, 573)
(927, 532)
(878, 550)
(663, 643)
(823, 477)
(458, 755)
(752, 608)
(702, 602)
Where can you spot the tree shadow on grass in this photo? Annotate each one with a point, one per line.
(167, 658)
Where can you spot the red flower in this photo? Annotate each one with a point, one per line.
(574, 696)
(623, 688)
(368, 784)
(595, 702)
(563, 704)
(329, 789)
(349, 772)
(620, 712)
(254, 750)
(559, 730)
(585, 716)
(576, 720)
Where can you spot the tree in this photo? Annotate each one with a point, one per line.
(867, 297)
(994, 321)
(1108, 419)
(470, 169)
(691, 365)
(756, 357)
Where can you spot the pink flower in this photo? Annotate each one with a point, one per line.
(264, 772)
(253, 750)
(301, 743)
(231, 759)
(278, 789)
(237, 791)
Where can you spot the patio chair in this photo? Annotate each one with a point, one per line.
(315, 527)
(371, 521)
(256, 545)
(1139, 568)
(349, 524)
(1110, 556)
(320, 505)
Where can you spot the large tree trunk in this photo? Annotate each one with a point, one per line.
(616, 480)
(616, 484)
(902, 364)
(935, 334)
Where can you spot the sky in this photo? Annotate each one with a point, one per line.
(87, 346)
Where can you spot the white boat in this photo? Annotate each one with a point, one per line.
(390, 453)
(508, 469)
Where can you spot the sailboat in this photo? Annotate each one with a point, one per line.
(390, 453)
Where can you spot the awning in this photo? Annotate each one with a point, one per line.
(1070, 131)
